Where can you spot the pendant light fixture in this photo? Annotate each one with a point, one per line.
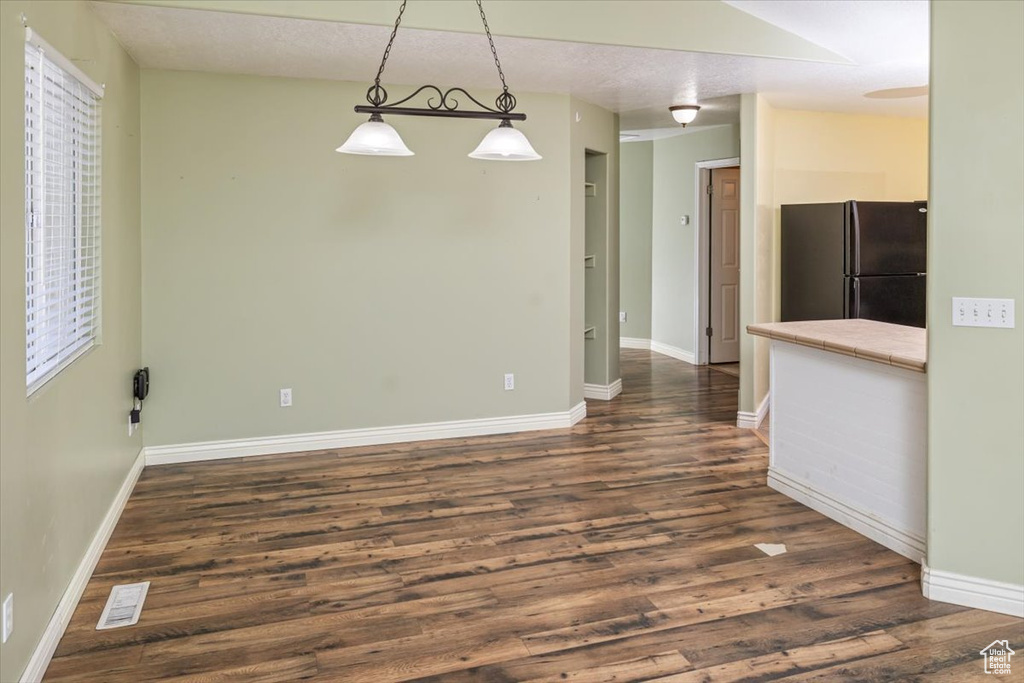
(376, 137)
(684, 113)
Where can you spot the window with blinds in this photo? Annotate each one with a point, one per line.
(62, 212)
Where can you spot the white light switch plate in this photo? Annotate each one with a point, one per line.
(969, 312)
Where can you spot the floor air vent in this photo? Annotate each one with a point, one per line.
(124, 605)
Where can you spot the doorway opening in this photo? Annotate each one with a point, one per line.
(717, 265)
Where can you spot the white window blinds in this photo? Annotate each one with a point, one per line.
(62, 213)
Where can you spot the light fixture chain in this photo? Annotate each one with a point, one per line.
(487, 29)
(391, 41)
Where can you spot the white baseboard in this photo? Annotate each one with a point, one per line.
(373, 436)
(602, 392)
(907, 544)
(971, 591)
(673, 352)
(753, 420)
(69, 601)
(634, 343)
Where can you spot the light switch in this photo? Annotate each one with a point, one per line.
(970, 312)
(685, 220)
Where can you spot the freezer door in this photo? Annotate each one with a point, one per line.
(897, 299)
(886, 238)
(812, 261)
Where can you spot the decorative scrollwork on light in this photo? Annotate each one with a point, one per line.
(442, 101)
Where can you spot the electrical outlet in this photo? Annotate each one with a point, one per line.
(510, 381)
(286, 398)
(969, 312)
(622, 316)
(8, 616)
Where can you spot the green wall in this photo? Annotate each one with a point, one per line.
(64, 451)
(382, 291)
(672, 295)
(976, 248)
(636, 169)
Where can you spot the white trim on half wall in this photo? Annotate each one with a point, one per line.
(373, 436)
(899, 540)
(602, 392)
(971, 591)
(745, 420)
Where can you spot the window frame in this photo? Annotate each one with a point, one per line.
(78, 257)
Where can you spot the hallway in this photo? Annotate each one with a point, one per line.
(622, 549)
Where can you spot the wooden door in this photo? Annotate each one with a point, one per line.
(724, 286)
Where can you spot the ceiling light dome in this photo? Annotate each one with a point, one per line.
(505, 143)
(684, 113)
(375, 138)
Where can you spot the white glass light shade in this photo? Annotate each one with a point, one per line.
(684, 113)
(505, 143)
(375, 138)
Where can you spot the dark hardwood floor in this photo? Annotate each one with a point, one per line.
(620, 550)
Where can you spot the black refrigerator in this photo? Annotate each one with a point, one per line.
(855, 260)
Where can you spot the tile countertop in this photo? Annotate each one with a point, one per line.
(897, 345)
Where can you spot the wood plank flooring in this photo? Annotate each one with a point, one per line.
(619, 550)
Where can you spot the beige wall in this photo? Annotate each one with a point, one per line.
(976, 248)
(827, 157)
(674, 194)
(635, 203)
(64, 451)
(382, 291)
(805, 157)
(756, 255)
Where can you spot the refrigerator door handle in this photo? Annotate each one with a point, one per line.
(854, 304)
(853, 240)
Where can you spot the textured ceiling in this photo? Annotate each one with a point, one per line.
(639, 83)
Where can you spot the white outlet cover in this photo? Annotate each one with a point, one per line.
(510, 381)
(622, 316)
(286, 398)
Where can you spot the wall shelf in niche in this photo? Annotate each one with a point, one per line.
(589, 261)
(590, 189)
(590, 332)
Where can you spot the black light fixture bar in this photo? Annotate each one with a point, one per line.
(442, 103)
(454, 114)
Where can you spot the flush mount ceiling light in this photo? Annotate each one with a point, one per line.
(375, 137)
(684, 113)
